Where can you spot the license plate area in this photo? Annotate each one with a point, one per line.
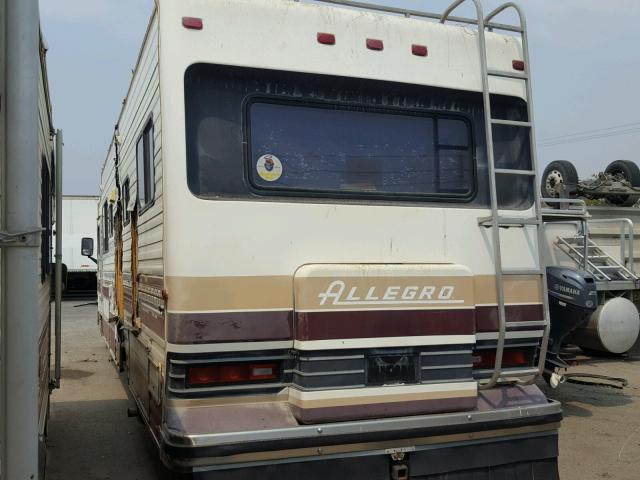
(392, 367)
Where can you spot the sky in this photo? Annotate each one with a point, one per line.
(584, 55)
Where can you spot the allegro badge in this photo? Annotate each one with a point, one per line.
(339, 293)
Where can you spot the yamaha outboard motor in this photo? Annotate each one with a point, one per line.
(572, 300)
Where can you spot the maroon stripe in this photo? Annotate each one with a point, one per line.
(393, 409)
(383, 323)
(487, 317)
(229, 327)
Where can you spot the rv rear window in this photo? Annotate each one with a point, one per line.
(353, 150)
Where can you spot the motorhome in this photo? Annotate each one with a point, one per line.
(319, 243)
(30, 190)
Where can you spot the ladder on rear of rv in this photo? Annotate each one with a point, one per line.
(495, 221)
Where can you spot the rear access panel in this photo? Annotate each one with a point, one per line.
(382, 340)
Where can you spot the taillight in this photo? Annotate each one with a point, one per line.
(511, 358)
(217, 374)
(518, 65)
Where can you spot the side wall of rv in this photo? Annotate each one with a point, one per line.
(15, 457)
(47, 208)
(130, 278)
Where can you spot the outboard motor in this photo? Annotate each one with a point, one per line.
(572, 300)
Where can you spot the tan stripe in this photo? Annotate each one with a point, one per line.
(517, 289)
(276, 292)
(377, 399)
(380, 446)
(229, 293)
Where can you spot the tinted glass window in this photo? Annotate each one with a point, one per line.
(346, 150)
(231, 113)
(145, 167)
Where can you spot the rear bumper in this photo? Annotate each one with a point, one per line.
(510, 425)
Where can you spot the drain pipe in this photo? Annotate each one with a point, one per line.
(58, 276)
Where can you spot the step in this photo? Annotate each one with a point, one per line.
(522, 272)
(508, 221)
(509, 171)
(507, 74)
(511, 123)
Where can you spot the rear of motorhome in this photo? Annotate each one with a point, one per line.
(30, 162)
(319, 243)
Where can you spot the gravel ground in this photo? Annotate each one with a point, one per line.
(600, 434)
(91, 437)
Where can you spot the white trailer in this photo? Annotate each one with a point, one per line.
(79, 221)
(320, 243)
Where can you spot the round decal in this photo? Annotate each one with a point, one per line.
(269, 167)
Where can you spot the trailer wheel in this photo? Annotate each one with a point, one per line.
(631, 173)
(559, 180)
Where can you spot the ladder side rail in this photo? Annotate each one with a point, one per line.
(495, 225)
(534, 166)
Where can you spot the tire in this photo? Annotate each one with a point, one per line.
(559, 172)
(630, 172)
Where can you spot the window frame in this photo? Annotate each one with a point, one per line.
(270, 191)
(105, 225)
(126, 198)
(148, 167)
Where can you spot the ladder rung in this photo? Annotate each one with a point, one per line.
(509, 171)
(522, 272)
(608, 267)
(507, 221)
(507, 74)
(511, 123)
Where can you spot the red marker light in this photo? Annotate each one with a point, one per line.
(326, 38)
(192, 23)
(419, 50)
(518, 65)
(375, 44)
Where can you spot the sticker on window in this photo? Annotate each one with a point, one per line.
(269, 167)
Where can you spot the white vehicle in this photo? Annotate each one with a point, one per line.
(30, 193)
(78, 221)
(304, 260)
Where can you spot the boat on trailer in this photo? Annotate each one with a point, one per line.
(320, 242)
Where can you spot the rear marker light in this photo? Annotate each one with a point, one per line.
(374, 44)
(419, 50)
(326, 38)
(192, 23)
(511, 358)
(518, 65)
(231, 373)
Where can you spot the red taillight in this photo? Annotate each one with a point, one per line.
(518, 65)
(231, 373)
(326, 38)
(511, 358)
(419, 50)
(374, 44)
(192, 23)
(202, 375)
